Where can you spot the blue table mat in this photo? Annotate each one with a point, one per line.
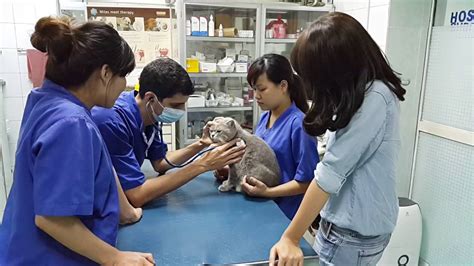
(197, 224)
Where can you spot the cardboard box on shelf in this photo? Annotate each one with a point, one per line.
(241, 67)
(245, 33)
(292, 23)
(196, 101)
(225, 19)
(208, 67)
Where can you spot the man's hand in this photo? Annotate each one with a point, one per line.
(222, 156)
(206, 138)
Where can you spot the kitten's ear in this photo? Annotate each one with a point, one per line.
(230, 123)
(209, 124)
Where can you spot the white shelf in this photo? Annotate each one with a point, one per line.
(219, 109)
(280, 40)
(218, 75)
(219, 39)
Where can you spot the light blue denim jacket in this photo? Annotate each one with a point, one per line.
(358, 168)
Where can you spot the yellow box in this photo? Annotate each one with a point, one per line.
(192, 65)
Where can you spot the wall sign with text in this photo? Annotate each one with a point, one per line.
(148, 31)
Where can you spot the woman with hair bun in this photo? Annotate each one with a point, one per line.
(64, 207)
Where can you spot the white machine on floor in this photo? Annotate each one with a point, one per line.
(405, 244)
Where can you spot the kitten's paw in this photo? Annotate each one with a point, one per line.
(224, 188)
(238, 188)
(240, 143)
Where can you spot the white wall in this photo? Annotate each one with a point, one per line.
(443, 180)
(400, 29)
(406, 48)
(372, 14)
(17, 20)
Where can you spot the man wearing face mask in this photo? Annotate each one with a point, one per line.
(132, 132)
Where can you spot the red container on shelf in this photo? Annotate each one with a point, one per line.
(278, 27)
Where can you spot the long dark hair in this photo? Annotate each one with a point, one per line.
(278, 68)
(338, 60)
(74, 53)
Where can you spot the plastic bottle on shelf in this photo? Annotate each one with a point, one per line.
(211, 26)
(195, 129)
(195, 26)
(245, 95)
(203, 28)
(190, 130)
(221, 30)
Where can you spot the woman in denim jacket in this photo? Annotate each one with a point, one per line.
(356, 97)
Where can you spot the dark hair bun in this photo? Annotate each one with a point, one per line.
(53, 36)
(75, 52)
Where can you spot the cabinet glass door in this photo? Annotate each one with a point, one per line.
(220, 43)
(284, 24)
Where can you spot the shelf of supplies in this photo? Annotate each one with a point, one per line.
(219, 39)
(219, 109)
(280, 40)
(218, 75)
(282, 8)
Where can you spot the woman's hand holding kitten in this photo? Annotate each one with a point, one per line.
(254, 187)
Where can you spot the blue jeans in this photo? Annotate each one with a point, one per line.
(338, 246)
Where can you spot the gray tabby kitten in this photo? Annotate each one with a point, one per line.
(259, 160)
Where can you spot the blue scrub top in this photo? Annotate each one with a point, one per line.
(62, 169)
(295, 150)
(122, 129)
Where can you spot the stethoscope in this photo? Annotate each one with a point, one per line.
(158, 127)
(190, 160)
(149, 141)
